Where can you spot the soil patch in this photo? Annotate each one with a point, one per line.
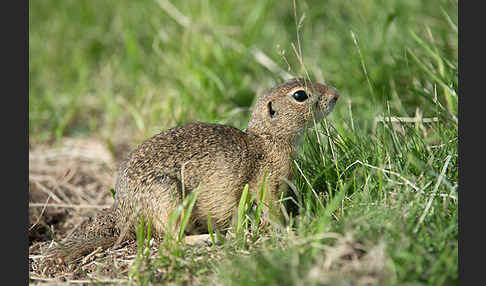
(68, 181)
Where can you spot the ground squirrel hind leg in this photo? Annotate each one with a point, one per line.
(156, 203)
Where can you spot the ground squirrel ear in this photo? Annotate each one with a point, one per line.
(270, 110)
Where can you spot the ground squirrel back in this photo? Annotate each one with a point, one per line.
(218, 160)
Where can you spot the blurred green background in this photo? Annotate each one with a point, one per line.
(102, 67)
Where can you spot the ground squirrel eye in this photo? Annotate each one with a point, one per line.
(300, 95)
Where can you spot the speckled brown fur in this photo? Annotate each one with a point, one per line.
(219, 159)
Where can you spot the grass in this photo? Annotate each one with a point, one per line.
(373, 200)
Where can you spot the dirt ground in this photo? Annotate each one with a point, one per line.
(69, 181)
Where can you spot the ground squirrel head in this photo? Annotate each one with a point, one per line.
(287, 109)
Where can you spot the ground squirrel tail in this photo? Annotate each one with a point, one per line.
(100, 230)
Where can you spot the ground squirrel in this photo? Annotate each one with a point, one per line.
(217, 159)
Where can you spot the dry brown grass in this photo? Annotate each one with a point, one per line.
(67, 182)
